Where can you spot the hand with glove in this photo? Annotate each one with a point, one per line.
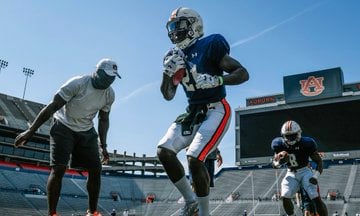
(174, 64)
(280, 159)
(314, 178)
(206, 81)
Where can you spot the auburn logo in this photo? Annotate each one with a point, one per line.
(312, 86)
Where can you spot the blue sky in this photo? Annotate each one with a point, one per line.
(271, 38)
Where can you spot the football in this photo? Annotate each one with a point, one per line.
(178, 76)
(282, 157)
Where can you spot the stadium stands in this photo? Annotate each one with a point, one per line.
(14, 203)
(356, 188)
(16, 194)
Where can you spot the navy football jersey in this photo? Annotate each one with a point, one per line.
(203, 57)
(299, 153)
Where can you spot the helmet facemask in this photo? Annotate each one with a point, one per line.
(179, 29)
(184, 27)
(291, 139)
(291, 132)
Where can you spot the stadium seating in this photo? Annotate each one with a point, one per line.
(334, 178)
(356, 188)
(15, 196)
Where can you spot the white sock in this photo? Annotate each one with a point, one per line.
(184, 187)
(203, 205)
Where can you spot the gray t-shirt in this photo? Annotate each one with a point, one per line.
(83, 103)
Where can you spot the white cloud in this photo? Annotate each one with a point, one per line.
(267, 30)
(139, 91)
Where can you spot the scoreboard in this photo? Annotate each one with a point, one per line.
(333, 120)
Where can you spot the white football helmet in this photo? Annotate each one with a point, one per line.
(184, 27)
(291, 132)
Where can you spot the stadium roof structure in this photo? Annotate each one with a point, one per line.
(17, 114)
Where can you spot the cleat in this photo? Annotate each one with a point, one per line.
(96, 213)
(190, 209)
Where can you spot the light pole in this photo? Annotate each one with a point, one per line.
(3, 64)
(28, 73)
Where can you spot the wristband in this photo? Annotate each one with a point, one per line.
(221, 80)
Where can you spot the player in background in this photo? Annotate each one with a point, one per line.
(72, 135)
(197, 63)
(210, 166)
(295, 150)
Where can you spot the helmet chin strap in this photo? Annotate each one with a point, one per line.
(186, 43)
(291, 143)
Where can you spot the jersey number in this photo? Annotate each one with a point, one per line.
(186, 80)
(292, 160)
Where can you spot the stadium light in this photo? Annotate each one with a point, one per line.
(3, 64)
(28, 73)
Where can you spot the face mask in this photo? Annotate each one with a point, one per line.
(100, 80)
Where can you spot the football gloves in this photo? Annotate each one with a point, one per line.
(280, 159)
(206, 81)
(173, 61)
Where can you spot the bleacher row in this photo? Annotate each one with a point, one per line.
(254, 189)
(20, 113)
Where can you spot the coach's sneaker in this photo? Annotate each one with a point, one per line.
(96, 213)
(190, 209)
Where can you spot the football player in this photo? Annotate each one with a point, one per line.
(295, 150)
(202, 66)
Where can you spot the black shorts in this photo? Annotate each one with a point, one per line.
(81, 147)
(210, 166)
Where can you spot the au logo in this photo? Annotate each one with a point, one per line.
(312, 86)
